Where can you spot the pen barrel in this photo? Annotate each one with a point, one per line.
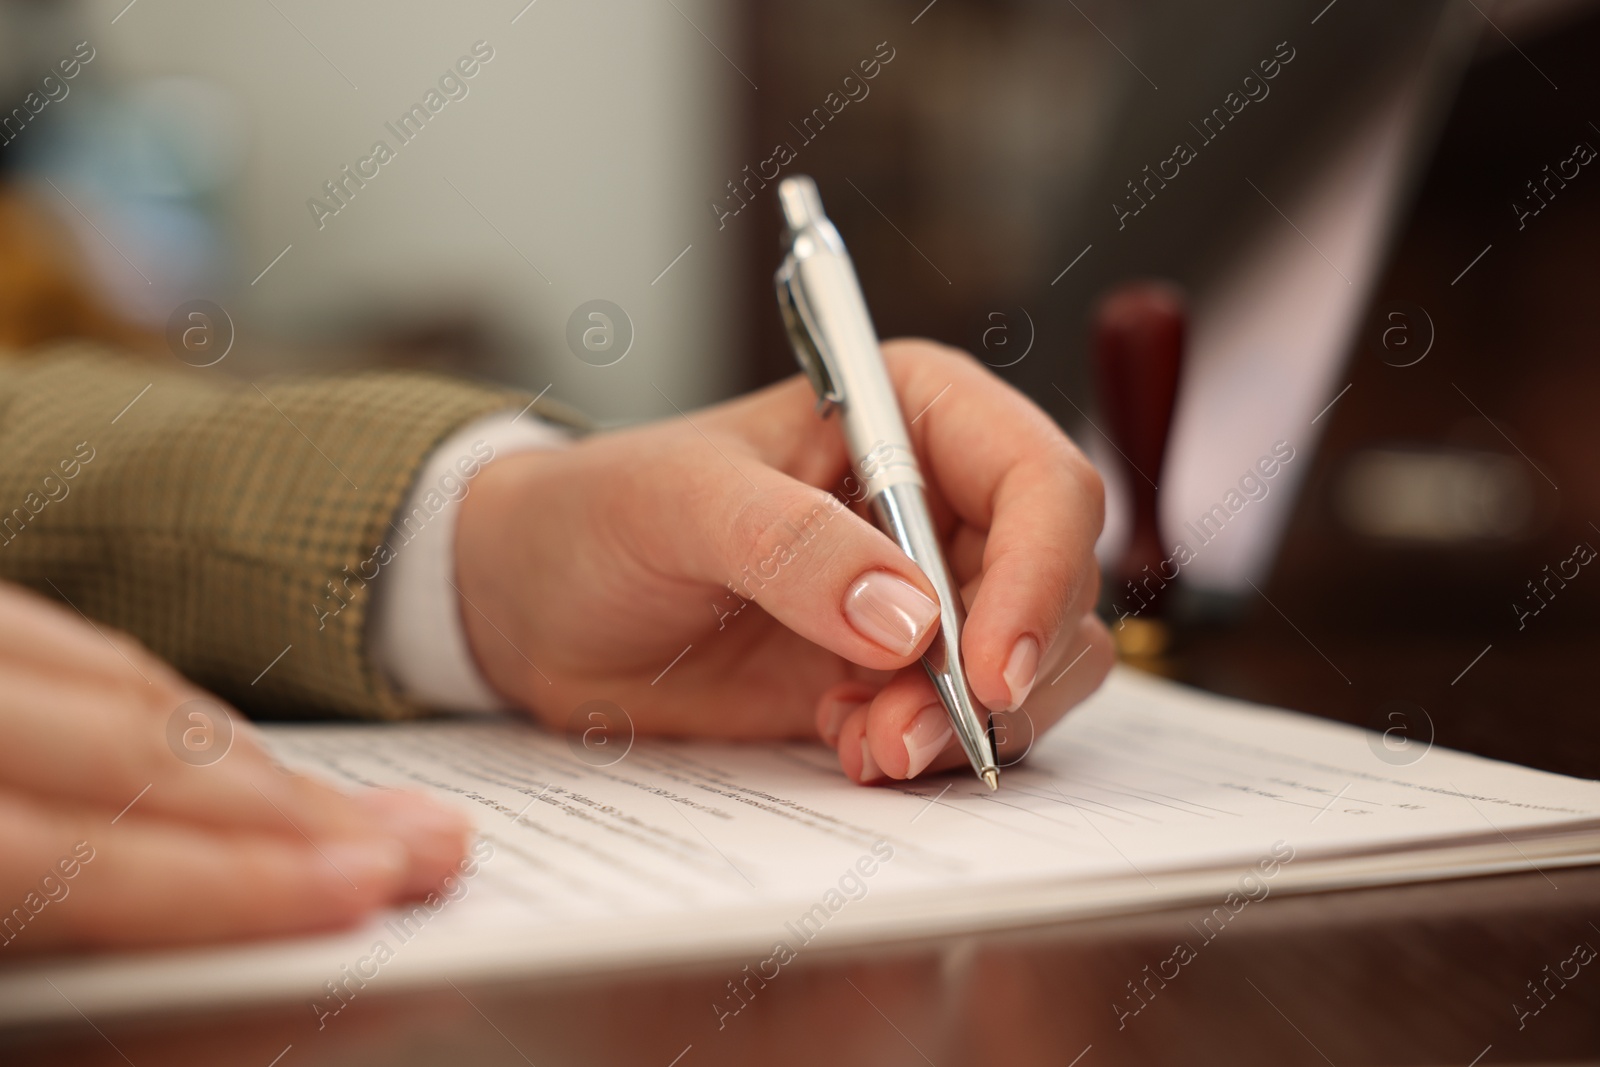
(874, 429)
(902, 512)
(833, 339)
(831, 328)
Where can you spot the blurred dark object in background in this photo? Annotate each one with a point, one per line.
(1138, 354)
(1437, 552)
(948, 178)
(1138, 347)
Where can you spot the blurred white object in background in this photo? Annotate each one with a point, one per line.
(575, 168)
(139, 174)
(1436, 496)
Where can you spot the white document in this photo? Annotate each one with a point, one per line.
(1148, 796)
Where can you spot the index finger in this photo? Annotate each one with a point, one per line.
(1004, 467)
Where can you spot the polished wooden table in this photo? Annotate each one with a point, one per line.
(1429, 974)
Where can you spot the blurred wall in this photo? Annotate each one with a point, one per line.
(574, 168)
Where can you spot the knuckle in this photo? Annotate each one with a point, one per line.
(1055, 607)
(750, 526)
(161, 695)
(909, 356)
(545, 715)
(1080, 476)
(528, 693)
(765, 529)
(1103, 653)
(1094, 486)
(1090, 586)
(152, 758)
(950, 356)
(147, 673)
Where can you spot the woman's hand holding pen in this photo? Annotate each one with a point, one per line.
(714, 574)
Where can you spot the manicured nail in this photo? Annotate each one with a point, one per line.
(889, 611)
(364, 864)
(409, 816)
(870, 771)
(926, 737)
(834, 716)
(1022, 669)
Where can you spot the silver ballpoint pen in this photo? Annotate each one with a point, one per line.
(833, 338)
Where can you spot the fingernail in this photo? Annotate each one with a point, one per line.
(834, 717)
(926, 737)
(407, 816)
(889, 611)
(1022, 670)
(870, 771)
(365, 864)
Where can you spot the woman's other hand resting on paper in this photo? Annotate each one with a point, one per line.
(709, 575)
(120, 829)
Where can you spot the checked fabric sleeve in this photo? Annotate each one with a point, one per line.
(206, 516)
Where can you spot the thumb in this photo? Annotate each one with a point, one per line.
(812, 564)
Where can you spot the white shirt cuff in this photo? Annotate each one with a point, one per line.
(415, 633)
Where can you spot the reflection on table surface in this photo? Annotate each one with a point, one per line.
(1486, 970)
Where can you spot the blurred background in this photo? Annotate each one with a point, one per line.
(1383, 229)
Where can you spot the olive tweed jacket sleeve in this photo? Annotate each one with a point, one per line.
(206, 516)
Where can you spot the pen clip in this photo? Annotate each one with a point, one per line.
(804, 335)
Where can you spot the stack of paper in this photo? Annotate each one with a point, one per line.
(1149, 795)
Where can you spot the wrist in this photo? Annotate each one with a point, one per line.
(500, 541)
(416, 628)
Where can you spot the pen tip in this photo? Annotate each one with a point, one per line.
(991, 778)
